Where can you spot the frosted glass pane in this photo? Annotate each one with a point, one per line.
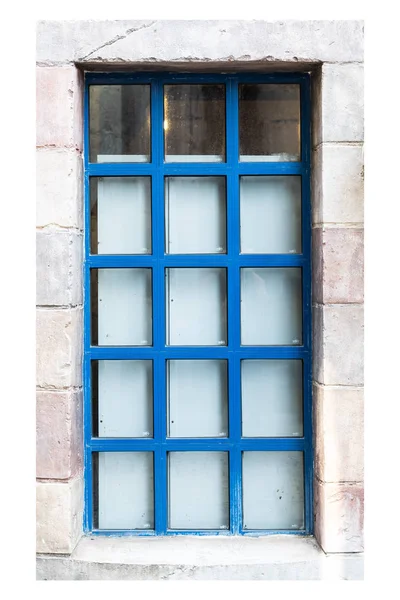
(272, 398)
(195, 215)
(194, 124)
(119, 123)
(271, 306)
(273, 490)
(123, 398)
(270, 215)
(196, 307)
(124, 307)
(198, 489)
(126, 490)
(269, 122)
(197, 398)
(121, 215)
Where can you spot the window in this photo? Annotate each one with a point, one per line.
(197, 304)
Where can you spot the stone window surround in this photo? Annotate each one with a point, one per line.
(333, 52)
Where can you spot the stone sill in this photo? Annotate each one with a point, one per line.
(199, 558)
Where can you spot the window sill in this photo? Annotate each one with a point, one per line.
(199, 558)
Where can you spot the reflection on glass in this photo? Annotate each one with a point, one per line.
(271, 306)
(124, 490)
(121, 307)
(122, 398)
(197, 396)
(119, 123)
(120, 215)
(195, 215)
(273, 490)
(272, 398)
(269, 122)
(196, 307)
(198, 490)
(270, 215)
(194, 123)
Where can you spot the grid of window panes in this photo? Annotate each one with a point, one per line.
(197, 285)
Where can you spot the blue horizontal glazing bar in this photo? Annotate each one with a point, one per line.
(183, 169)
(116, 261)
(195, 444)
(99, 261)
(193, 352)
(115, 169)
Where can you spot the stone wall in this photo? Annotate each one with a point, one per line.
(333, 52)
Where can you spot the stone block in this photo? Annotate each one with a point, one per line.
(58, 268)
(339, 516)
(59, 440)
(59, 336)
(59, 188)
(59, 509)
(335, 328)
(338, 425)
(340, 116)
(338, 265)
(59, 114)
(337, 184)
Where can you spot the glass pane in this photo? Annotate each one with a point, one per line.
(273, 490)
(272, 398)
(271, 306)
(121, 307)
(122, 398)
(270, 215)
(125, 498)
(198, 490)
(196, 307)
(120, 215)
(194, 123)
(195, 215)
(269, 122)
(119, 121)
(197, 398)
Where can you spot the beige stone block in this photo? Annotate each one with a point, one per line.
(337, 188)
(338, 265)
(59, 440)
(340, 115)
(59, 336)
(338, 425)
(59, 508)
(59, 188)
(59, 114)
(58, 268)
(338, 338)
(339, 516)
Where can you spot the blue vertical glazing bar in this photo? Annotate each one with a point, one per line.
(158, 302)
(232, 128)
(307, 314)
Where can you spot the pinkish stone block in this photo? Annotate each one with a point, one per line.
(58, 434)
(59, 114)
(338, 265)
(339, 516)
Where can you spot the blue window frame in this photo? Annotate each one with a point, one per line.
(239, 449)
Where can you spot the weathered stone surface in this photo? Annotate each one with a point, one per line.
(200, 558)
(58, 268)
(59, 186)
(59, 348)
(339, 516)
(188, 41)
(58, 516)
(59, 440)
(338, 337)
(338, 184)
(59, 107)
(341, 111)
(338, 265)
(338, 424)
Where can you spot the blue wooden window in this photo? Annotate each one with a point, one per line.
(197, 346)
